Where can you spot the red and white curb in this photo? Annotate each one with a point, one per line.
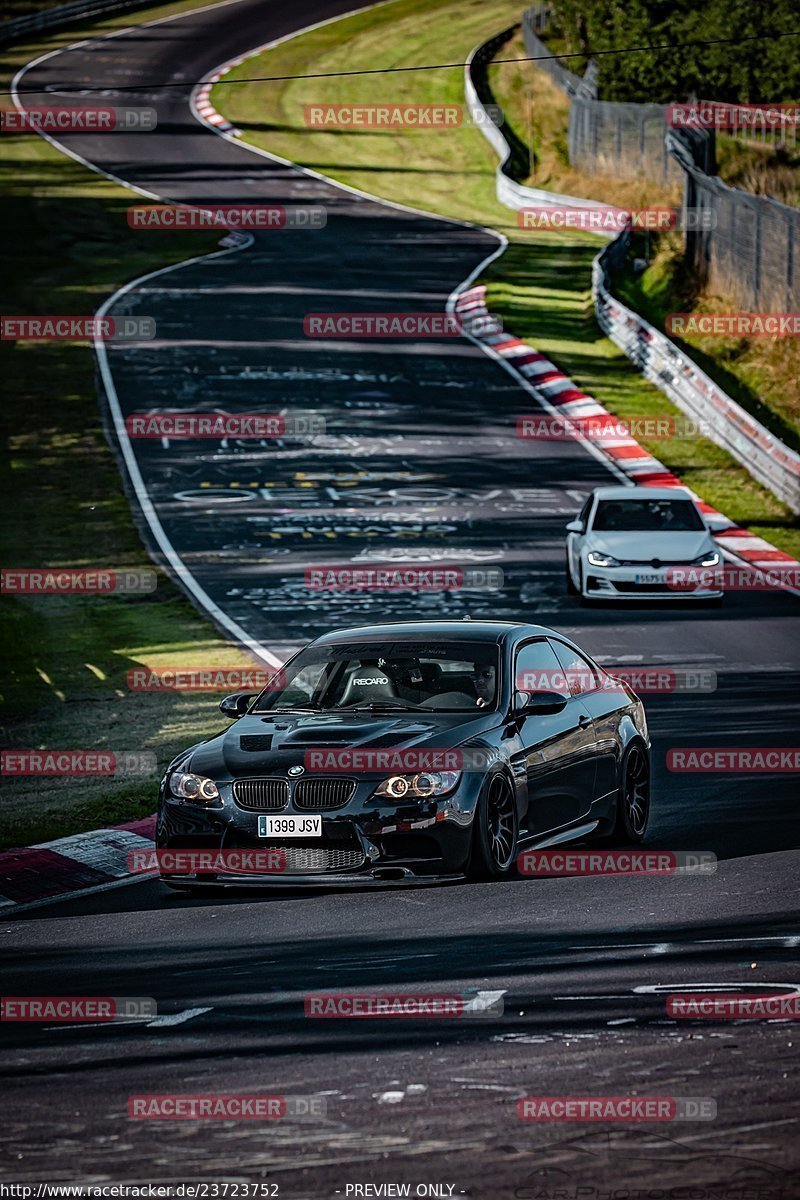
(202, 99)
(72, 866)
(628, 458)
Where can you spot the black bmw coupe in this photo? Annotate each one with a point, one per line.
(410, 753)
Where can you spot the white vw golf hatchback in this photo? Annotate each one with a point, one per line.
(626, 543)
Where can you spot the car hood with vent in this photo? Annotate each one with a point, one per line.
(258, 745)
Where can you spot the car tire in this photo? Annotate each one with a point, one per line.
(633, 800)
(571, 589)
(495, 830)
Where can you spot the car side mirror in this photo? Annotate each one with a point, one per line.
(529, 704)
(575, 526)
(237, 704)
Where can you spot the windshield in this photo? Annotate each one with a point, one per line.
(663, 516)
(445, 677)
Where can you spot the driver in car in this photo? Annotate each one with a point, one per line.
(483, 678)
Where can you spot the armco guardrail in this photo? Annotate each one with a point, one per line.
(509, 192)
(723, 420)
(65, 14)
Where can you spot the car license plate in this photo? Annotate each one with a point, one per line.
(290, 827)
(649, 579)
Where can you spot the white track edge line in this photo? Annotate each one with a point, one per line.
(178, 568)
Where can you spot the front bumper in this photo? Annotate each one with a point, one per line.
(366, 841)
(641, 582)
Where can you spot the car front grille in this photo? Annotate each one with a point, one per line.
(261, 795)
(310, 860)
(623, 586)
(648, 562)
(323, 794)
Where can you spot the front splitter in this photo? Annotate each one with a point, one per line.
(389, 877)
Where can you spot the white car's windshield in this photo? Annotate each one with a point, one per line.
(665, 516)
(441, 676)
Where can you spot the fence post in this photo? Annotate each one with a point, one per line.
(757, 255)
(789, 263)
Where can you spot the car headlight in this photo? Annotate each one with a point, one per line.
(192, 787)
(596, 559)
(710, 559)
(426, 783)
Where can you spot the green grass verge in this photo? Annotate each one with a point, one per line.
(67, 247)
(541, 286)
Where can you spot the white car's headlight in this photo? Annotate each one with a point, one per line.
(192, 787)
(710, 559)
(596, 559)
(426, 783)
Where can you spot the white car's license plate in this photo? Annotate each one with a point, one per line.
(289, 827)
(650, 579)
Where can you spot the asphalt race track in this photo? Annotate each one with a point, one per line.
(419, 463)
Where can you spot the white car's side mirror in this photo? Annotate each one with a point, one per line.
(575, 526)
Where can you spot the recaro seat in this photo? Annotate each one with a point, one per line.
(366, 684)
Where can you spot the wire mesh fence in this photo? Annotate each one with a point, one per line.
(626, 140)
(742, 245)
